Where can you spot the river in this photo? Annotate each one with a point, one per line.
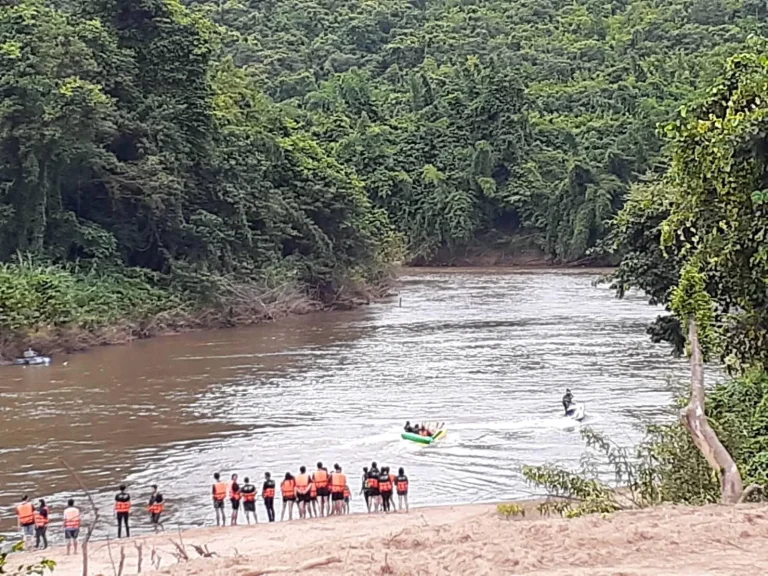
(488, 352)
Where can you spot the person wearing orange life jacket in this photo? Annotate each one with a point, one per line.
(25, 516)
(122, 511)
(312, 508)
(248, 491)
(219, 495)
(288, 490)
(401, 482)
(268, 495)
(71, 525)
(338, 482)
(347, 496)
(373, 486)
(385, 489)
(234, 498)
(302, 491)
(320, 478)
(364, 490)
(156, 508)
(41, 526)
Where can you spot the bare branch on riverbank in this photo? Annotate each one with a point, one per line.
(750, 491)
(694, 418)
(92, 526)
(139, 554)
(111, 560)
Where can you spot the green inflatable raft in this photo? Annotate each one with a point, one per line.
(424, 439)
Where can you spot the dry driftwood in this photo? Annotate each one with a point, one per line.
(704, 437)
(316, 563)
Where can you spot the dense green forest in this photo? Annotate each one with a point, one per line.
(508, 123)
(159, 158)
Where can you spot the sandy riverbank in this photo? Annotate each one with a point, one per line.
(712, 540)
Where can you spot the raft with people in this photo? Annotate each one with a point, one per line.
(424, 434)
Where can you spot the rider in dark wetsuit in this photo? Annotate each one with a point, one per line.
(567, 400)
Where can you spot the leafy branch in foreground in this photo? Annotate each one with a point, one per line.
(39, 567)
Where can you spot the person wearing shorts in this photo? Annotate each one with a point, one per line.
(25, 514)
(71, 525)
(219, 495)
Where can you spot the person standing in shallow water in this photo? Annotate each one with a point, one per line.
(402, 489)
(122, 511)
(234, 498)
(268, 495)
(71, 525)
(41, 526)
(219, 495)
(156, 508)
(248, 491)
(288, 490)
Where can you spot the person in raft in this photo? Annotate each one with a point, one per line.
(122, 511)
(248, 492)
(288, 490)
(25, 518)
(268, 495)
(219, 495)
(234, 498)
(71, 525)
(402, 489)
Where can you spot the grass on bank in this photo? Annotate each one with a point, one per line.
(53, 308)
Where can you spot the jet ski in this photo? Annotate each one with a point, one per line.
(576, 411)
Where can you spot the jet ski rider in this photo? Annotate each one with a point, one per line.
(567, 400)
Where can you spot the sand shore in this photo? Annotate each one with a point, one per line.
(472, 539)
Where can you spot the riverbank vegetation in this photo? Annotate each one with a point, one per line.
(168, 159)
(694, 241)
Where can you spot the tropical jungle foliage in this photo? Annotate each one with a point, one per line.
(694, 241)
(472, 120)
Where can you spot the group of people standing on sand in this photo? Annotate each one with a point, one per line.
(321, 493)
(379, 485)
(33, 522)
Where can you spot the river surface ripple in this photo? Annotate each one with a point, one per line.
(490, 353)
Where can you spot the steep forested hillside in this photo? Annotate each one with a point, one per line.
(149, 149)
(477, 119)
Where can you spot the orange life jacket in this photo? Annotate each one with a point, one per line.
(157, 508)
(402, 485)
(288, 489)
(373, 482)
(347, 493)
(234, 494)
(269, 489)
(302, 483)
(26, 513)
(40, 519)
(250, 494)
(321, 478)
(122, 506)
(219, 491)
(385, 484)
(312, 490)
(71, 518)
(338, 481)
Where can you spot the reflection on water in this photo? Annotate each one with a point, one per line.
(488, 352)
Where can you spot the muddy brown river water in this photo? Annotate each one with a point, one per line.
(488, 352)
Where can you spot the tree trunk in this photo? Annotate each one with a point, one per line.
(695, 421)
